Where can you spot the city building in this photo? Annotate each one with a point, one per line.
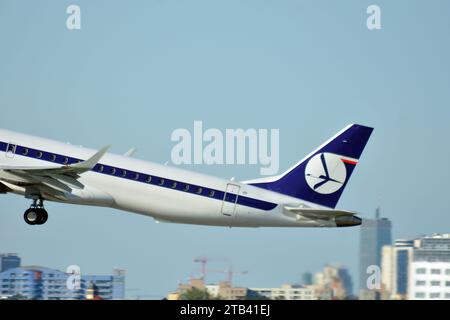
(221, 290)
(307, 278)
(395, 265)
(9, 261)
(430, 280)
(374, 294)
(108, 287)
(288, 292)
(34, 282)
(430, 268)
(334, 282)
(374, 234)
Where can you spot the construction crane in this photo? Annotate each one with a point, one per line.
(230, 273)
(203, 260)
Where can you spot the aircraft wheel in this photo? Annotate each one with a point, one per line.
(43, 216)
(31, 216)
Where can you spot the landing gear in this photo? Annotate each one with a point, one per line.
(36, 215)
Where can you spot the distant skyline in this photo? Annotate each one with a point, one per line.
(137, 71)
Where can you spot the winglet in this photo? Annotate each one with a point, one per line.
(130, 152)
(92, 161)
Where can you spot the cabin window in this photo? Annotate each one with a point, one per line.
(113, 170)
(101, 168)
(199, 190)
(24, 151)
(39, 155)
(136, 176)
(149, 179)
(161, 181)
(174, 185)
(124, 173)
(186, 188)
(211, 193)
(65, 160)
(52, 157)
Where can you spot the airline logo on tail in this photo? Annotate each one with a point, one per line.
(326, 173)
(321, 177)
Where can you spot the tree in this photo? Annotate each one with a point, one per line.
(256, 296)
(195, 294)
(17, 296)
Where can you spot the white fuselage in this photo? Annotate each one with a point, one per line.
(124, 183)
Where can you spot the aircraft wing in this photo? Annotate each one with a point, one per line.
(3, 188)
(53, 180)
(319, 213)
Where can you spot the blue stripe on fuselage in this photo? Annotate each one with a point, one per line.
(143, 178)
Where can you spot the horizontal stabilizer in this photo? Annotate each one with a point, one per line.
(319, 213)
(341, 218)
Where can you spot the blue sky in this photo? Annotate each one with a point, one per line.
(137, 70)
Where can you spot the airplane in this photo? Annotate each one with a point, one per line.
(305, 195)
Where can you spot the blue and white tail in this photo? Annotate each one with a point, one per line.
(321, 177)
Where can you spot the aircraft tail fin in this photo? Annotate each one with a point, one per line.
(322, 176)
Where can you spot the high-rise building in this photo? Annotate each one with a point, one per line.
(33, 282)
(374, 234)
(9, 261)
(307, 279)
(395, 264)
(429, 276)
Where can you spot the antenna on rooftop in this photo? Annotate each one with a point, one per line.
(377, 212)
